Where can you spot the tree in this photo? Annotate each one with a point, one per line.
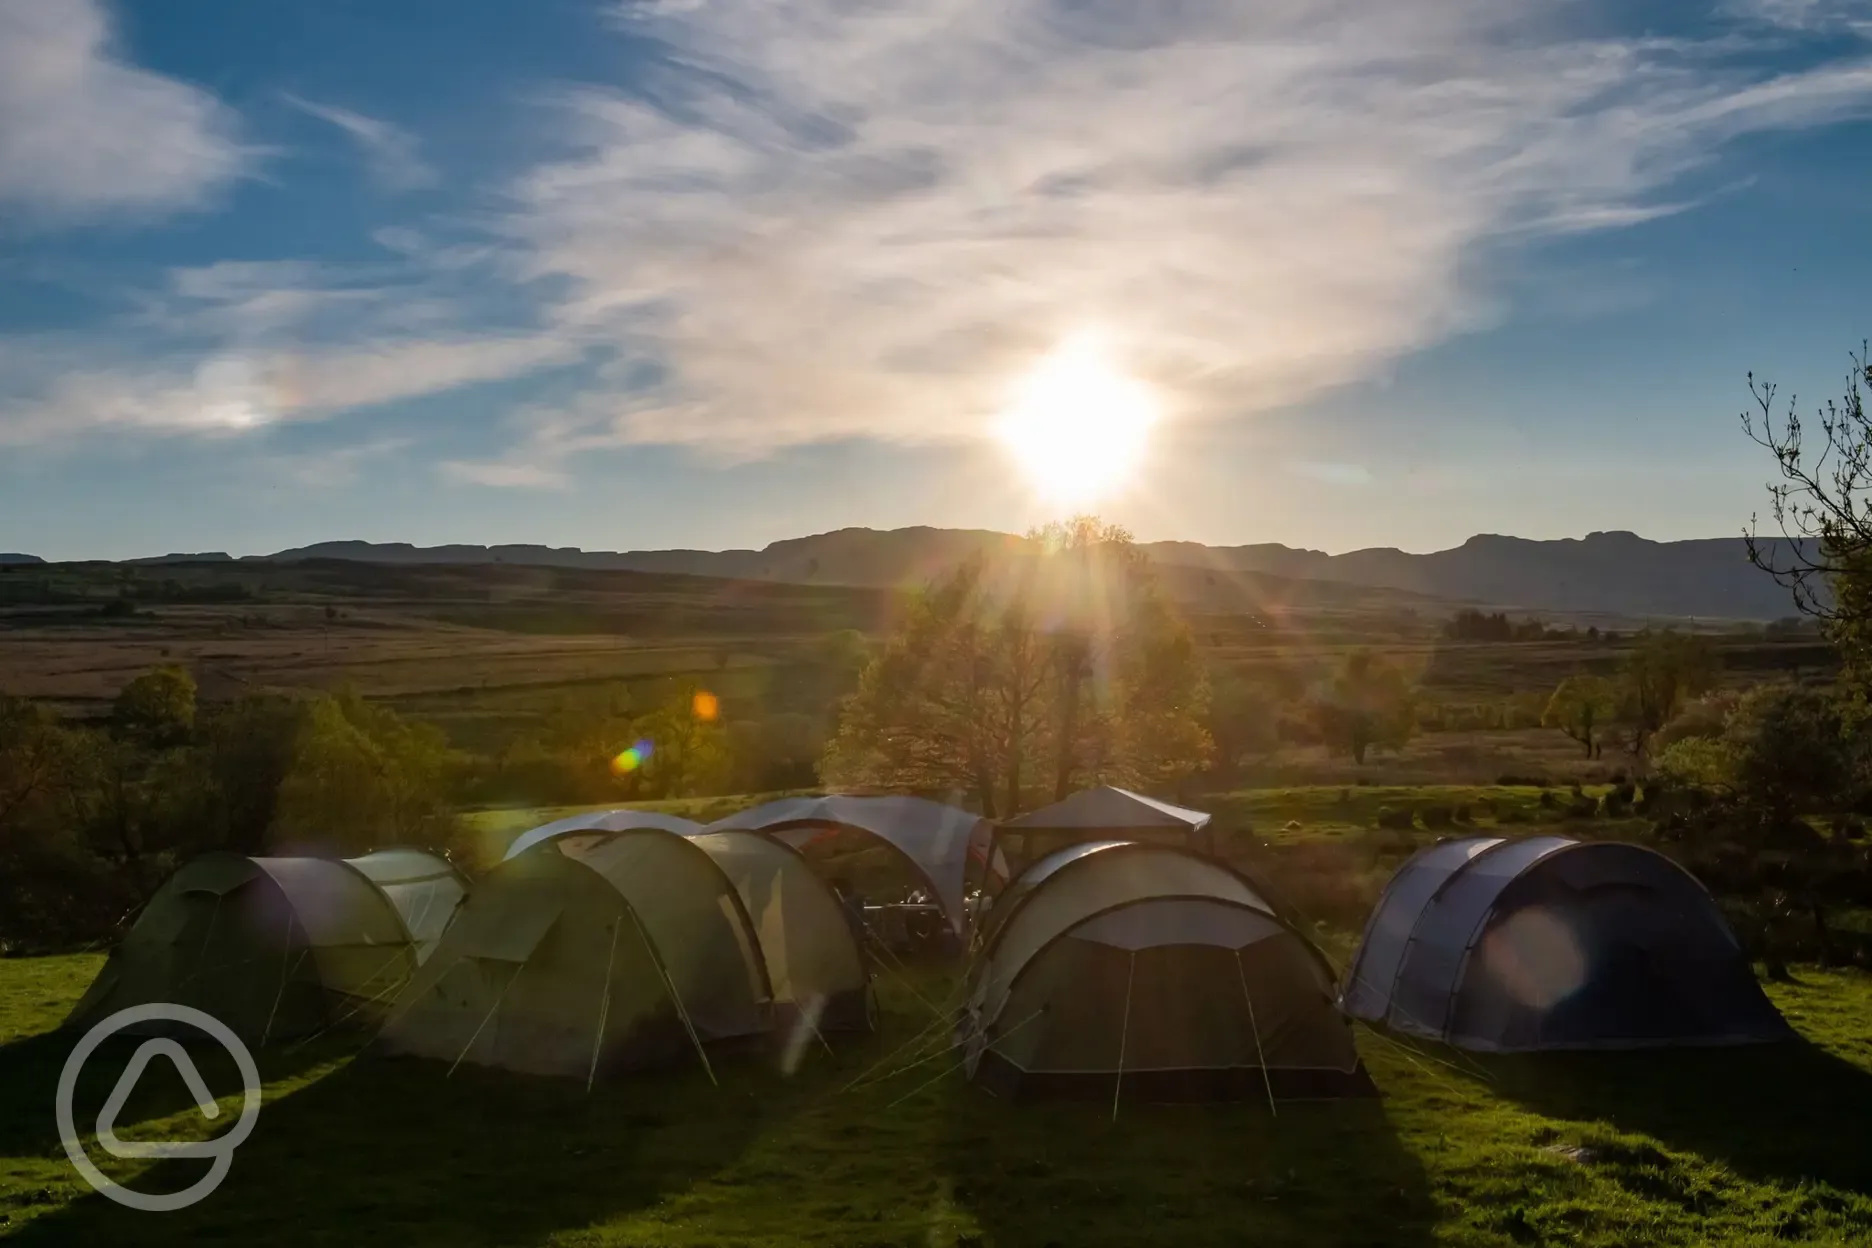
(688, 752)
(1823, 553)
(1664, 671)
(1057, 665)
(361, 777)
(157, 709)
(1243, 721)
(1791, 752)
(1580, 707)
(1367, 703)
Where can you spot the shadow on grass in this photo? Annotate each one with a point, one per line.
(396, 1151)
(1326, 1172)
(30, 1067)
(1779, 1112)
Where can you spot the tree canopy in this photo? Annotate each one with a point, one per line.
(1026, 677)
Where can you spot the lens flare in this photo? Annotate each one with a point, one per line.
(631, 758)
(706, 706)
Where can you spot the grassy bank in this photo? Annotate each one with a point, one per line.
(1744, 1147)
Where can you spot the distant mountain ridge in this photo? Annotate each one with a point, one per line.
(1608, 572)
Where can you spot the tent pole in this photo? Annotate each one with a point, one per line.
(485, 1019)
(1124, 1034)
(682, 1011)
(604, 1010)
(1266, 1080)
(286, 971)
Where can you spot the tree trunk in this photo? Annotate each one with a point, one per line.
(1065, 755)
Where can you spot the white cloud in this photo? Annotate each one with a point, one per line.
(392, 151)
(235, 392)
(85, 134)
(821, 220)
(505, 475)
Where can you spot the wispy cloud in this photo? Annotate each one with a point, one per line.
(395, 160)
(819, 220)
(1334, 473)
(234, 391)
(84, 134)
(505, 475)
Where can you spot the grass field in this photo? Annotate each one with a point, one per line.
(1758, 1147)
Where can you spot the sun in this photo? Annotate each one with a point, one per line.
(1078, 423)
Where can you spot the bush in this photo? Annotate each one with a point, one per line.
(1618, 803)
(1513, 781)
(1437, 815)
(1395, 819)
(1509, 815)
(1547, 799)
(1461, 814)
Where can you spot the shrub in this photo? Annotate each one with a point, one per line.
(1513, 781)
(1618, 803)
(1395, 819)
(1547, 800)
(1461, 814)
(1437, 815)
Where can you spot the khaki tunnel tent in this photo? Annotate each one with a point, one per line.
(1104, 813)
(595, 821)
(1149, 971)
(1550, 943)
(813, 957)
(278, 948)
(944, 845)
(631, 952)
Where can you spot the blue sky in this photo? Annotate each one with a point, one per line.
(707, 273)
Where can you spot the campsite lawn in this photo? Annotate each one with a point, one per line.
(1763, 1146)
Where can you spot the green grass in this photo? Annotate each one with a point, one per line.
(1744, 1147)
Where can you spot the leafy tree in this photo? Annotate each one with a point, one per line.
(362, 776)
(1823, 553)
(1368, 702)
(1791, 750)
(1059, 665)
(1664, 671)
(1580, 707)
(1244, 720)
(688, 747)
(157, 709)
(246, 750)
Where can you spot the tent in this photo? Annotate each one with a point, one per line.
(1147, 969)
(1100, 814)
(942, 844)
(814, 959)
(1551, 943)
(631, 952)
(279, 947)
(619, 820)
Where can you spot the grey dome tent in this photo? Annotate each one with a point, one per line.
(1151, 970)
(943, 844)
(629, 953)
(278, 948)
(1551, 943)
(813, 958)
(1101, 813)
(622, 819)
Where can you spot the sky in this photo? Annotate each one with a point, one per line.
(712, 273)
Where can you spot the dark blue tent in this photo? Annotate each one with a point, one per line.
(1551, 943)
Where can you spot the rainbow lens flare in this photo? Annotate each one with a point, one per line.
(631, 758)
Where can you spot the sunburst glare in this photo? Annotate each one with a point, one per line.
(1078, 423)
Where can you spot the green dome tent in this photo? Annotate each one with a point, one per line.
(627, 954)
(813, 957)
(278, 948)
(1149, 969)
